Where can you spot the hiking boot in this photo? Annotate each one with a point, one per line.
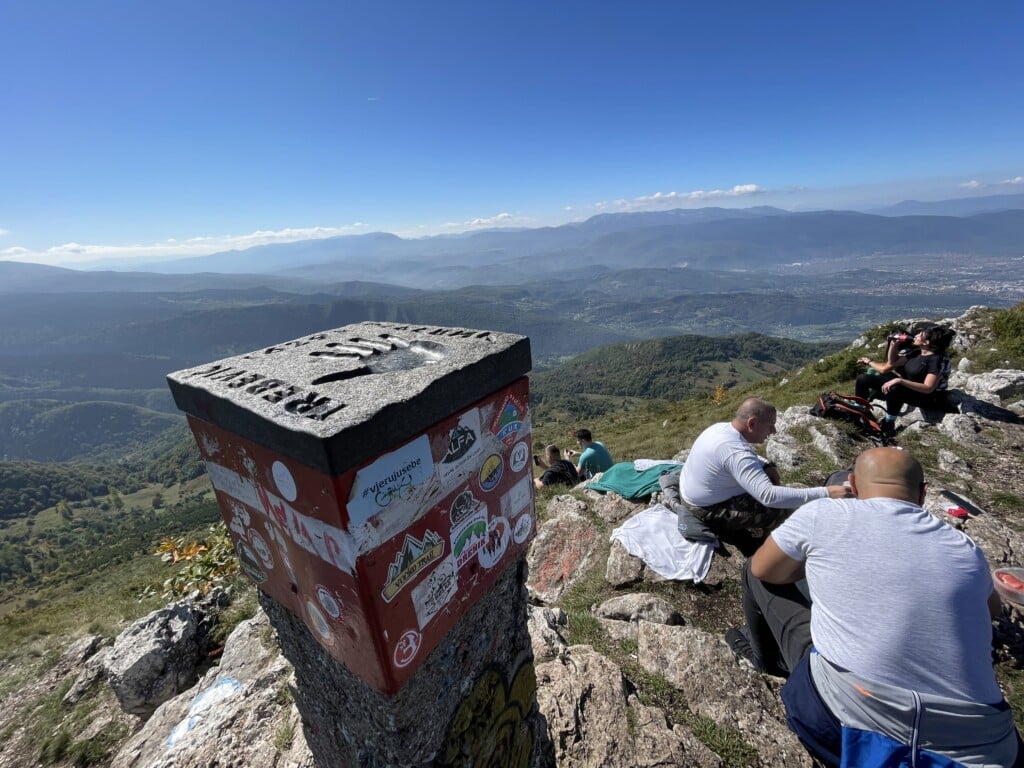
(738, 641)
(888, 427)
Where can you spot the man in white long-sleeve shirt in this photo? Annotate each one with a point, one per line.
(727, 486)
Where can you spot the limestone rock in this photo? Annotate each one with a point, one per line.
(623, 568)
(715, 686)
(592, 722)
(546, 626)
(789, 451)
(996, 386)
(610, 507)
(639, 606)
(562, 551)
(240, 715)
(156, 658)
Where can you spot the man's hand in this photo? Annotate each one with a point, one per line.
(570, 452)
(839, 491)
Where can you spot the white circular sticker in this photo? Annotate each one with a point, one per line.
(405, 650)
(498, 535)
(284, 481)
(522, 528)
(520, 456)
(328, 601)
(319, 622)
(262, 550)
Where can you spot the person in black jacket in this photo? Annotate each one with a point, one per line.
(917, 375)
(557, 471)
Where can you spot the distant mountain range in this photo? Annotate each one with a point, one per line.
(961, 206)
(756, 239)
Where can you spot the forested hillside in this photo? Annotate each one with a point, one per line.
(673, 368)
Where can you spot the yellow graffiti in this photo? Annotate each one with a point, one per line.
(489, 729)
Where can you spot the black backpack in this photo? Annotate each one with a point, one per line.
(853, 409)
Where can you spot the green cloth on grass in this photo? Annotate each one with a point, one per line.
(623, 479)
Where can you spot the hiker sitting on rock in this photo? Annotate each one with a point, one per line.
(917, 376)
(892, 663)
(725, 486)
(594, 457)
(557, 471)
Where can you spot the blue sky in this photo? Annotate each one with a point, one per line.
(152, 130)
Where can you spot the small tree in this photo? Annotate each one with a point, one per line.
(720, 394)
(64, 509)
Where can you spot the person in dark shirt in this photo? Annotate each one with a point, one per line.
(917, 376)
(557, 471)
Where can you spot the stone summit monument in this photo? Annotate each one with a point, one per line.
(376, 481)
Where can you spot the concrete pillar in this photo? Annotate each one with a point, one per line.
(377, 484)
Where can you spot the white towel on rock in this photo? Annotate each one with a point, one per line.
(653, 536)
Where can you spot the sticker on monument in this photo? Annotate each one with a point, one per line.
(522, 529)
(468, 536)
(519, 457)
(284, 481)
(498, 534)
(406, 648)
(240, 518)
(210, 444)
(434, 592)
(465, 504)
(232, 484)
(395, 479)
(414, 556)
(329, 602)
(517, 498)
(463, 452)
(249, 564)
(491, 471)
(320, 625)
(259, 544)
(509, 420)
(314, 536)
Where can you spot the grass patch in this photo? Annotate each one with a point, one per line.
(285, 734)
(729, 744)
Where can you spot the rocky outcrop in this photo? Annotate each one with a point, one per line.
(563, 550)
(593, 720)
(159, 656)
(240, 715)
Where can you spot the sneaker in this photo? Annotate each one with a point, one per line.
(888, 427)
(738, 641)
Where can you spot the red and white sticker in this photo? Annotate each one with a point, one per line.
(407, 648)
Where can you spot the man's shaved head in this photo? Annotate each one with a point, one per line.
(754, 408)
(888, 473)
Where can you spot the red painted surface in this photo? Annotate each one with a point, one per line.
(383, 559)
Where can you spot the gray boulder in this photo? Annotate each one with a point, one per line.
(240, 715)
(715, 686)
(562, 552)
(157, 657)
(593, 721)
(639, 606)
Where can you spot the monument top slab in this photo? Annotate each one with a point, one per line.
(333, 399)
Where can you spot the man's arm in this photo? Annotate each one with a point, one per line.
(748, 471)
(771, 565)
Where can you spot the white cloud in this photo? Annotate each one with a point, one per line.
(173, 248)
(500, 220)
(972, 184)
(4, 232)
(1014, 180)
(671, 199)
